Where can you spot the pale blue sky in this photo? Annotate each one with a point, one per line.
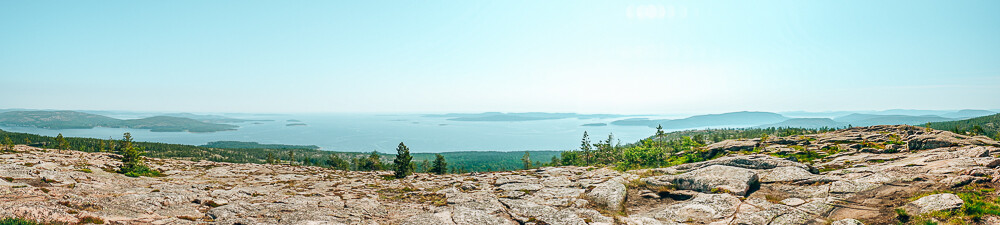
(471, 56)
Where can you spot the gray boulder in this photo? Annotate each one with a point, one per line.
(609, 194)
(933, 203)
(703, 208)
(757, 162)
(737, 181)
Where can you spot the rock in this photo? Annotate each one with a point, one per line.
(609, 194)
(562, 217)
(939, 138)
(703, 208)
(731, 146)
(648, 194)
(737, 181)
(958, 181)
(443, 218)
(793, 201)
(847, 222)
(520, 187)
(756, 162)
(464, 215)
(785, 174)
(524, 210)
(933, 203)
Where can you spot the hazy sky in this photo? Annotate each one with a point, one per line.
(471, 56)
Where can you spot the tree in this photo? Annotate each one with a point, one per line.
(270, 158)
(132, 163)
(440, 166)
(61, 142)
(659, 130)
(402, 161)
(337, 163)
(555, 161)
(526, 159)
(372, 163)
(291, 157)
(585, 147)
(100, 146)
(7, 143)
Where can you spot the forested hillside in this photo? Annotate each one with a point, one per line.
(986, 125)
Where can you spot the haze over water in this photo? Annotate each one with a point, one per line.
(367, 132)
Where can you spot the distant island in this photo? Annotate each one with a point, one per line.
(79, 120)
(255, 145)
(211, 118)
(595, 125)
(529, 116)
(295, 124)
(293, 121)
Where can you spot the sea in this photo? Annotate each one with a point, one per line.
(383, 132)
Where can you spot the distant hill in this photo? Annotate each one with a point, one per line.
(968, 113)
(744, 119)
(859, 119)
(79, 120)
(210, 118)
(529, 116)
(251, 145)
(811, 123)
(984, 125)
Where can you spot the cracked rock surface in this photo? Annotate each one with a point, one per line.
(854, 185)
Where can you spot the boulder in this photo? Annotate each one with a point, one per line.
(933, 203)
(703, 208)
(939, 138)
(757, 162)
(731, 146)
(715, 178)
(609, 194)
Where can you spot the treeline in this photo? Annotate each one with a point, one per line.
(664, 149)
(986, 125)
(457, 162)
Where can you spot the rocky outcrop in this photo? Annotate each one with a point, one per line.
(711, 179)
(851, 176)
(934, 203)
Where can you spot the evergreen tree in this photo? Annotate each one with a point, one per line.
(61, 142)
(7, 143)
(659, 130)
(402, 161)
(372, 163)
(337, 163)
(440, 166)
(585, 147)
(555, 161)
(270, 158)
(526, 159)
(291, 157)
(132, 163)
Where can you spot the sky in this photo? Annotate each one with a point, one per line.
(628, 57)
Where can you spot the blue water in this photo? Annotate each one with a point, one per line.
(357, 132)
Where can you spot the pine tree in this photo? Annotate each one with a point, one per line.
(7, 143)
(291, 157)
(555, 161)
(132, 163)
(402, 161)
(440, 166)
(585, 146)
(526, 159)
(659, 130)
(270, 158)
(61, 142)
(337, 163)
